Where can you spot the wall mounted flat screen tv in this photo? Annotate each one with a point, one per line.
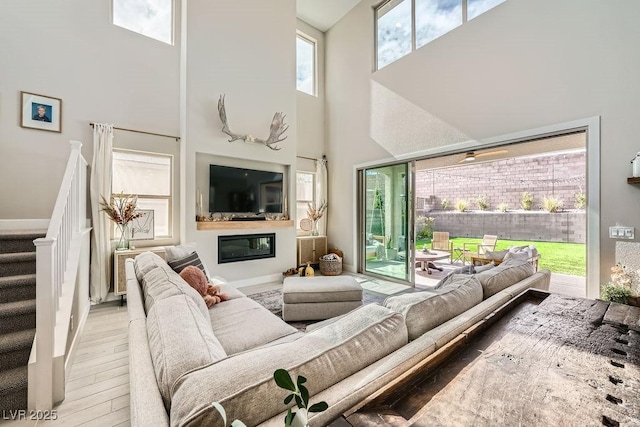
(240, 190)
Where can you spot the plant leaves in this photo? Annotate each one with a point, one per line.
(301, 380)
(288, 399)
(238, 423)
(288, 419)
(299, 402)
(283, 380)
(304, 394)
(319, 407)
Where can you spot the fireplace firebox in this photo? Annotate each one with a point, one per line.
(246, 247)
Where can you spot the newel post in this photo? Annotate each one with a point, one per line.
(45, 322)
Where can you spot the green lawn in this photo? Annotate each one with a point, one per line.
(566, 258)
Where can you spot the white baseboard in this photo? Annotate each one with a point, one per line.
(256, 280)
(23, 224)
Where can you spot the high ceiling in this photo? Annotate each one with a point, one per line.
(323, 14)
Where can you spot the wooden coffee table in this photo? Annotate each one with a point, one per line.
(426, 259)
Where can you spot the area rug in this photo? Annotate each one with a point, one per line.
(272, 301)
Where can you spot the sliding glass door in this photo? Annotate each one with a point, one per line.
(385, 221)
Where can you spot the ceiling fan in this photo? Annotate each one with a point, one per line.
(470, 156)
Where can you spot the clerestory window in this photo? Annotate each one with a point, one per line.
(151, 18)
(405, 25)
(306, 64)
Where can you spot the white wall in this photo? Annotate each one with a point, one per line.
(311, 109)
(69, 49)
(525, 64)
(246, 51)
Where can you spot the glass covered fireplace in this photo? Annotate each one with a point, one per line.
(245, 247)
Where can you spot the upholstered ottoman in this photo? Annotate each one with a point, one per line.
(319, 298)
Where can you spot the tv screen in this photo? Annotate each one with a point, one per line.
(244, 190)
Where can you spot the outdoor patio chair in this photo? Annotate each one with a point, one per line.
(441, 242)
(477, 250)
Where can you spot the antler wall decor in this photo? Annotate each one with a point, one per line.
(278, 127)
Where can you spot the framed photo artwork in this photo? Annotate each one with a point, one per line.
(142, 228)
(41, 112)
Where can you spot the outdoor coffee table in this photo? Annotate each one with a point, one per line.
(426, 259)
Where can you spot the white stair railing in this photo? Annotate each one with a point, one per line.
(57, 260)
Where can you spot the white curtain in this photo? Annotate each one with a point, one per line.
(100, 236)
(321, 192)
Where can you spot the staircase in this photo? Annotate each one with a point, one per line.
(17, 314)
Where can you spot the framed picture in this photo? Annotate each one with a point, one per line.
(41, 112)
(142, 228)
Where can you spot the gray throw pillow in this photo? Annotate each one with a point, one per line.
(496, 255)
(481, 268)
(469, 269)
(181, 263)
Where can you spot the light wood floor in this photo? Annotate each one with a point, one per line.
(97, 391)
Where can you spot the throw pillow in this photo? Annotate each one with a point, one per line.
(179, 251)
(180, 264)
(469, 269)
(496, 255)
(523, 255)
(481, 268)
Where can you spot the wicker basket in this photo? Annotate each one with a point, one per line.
(332, 267)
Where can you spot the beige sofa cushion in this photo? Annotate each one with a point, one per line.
(161, 283)
(147, 261)
(180, 339)
(244, 384)
(242, 324)
(425, 310)
(506, 274)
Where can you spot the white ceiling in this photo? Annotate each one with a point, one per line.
(323, 14)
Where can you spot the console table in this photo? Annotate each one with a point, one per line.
(119, 257)
(311, 248)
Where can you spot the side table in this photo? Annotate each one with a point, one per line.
(119, 257)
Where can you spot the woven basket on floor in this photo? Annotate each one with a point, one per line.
(332, 267)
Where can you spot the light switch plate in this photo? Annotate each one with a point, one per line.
(619, 232)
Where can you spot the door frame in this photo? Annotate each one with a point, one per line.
(360, 223)
(591, 127)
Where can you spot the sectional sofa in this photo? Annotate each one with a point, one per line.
(184, 356)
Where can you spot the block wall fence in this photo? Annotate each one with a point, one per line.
(504, 181)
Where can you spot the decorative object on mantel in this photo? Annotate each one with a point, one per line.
(122, 210)
(635, 166)
(314, 214)
(278, 127)
(223, 217)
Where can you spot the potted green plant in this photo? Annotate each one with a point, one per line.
(392, 253)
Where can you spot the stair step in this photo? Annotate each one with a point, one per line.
(19, 241)
(15, 348)
(19, 263)
(17, 316)
(17, 288)
(13, 389)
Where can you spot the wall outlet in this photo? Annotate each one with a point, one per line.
(619, 232)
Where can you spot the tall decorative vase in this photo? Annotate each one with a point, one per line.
(314, 230)
(125, 235)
